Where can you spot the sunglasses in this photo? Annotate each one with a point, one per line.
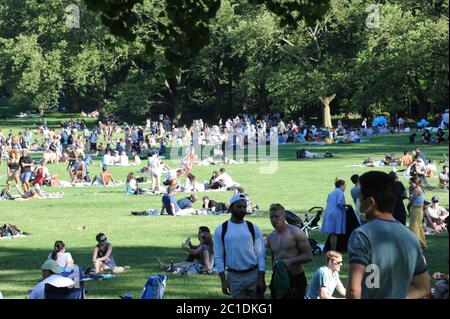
(339, 262)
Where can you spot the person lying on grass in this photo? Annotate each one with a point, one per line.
(39, 194)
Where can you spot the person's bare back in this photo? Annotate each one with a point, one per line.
(289, 244)
(106, 177)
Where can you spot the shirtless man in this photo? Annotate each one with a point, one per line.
(104, 178)
(290, 245)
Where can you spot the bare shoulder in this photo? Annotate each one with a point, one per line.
(272, 235)
(297, 232)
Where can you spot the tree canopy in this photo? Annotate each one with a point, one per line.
(216, 58)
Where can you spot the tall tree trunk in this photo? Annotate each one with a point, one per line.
(263, 94)
(174, 96)
(422, 106)
(98, 98)
(76, 101)
(230, 86)
(326, 111)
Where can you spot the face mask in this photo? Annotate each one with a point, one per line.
(365, 207)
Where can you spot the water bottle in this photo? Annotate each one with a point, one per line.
(171, 269)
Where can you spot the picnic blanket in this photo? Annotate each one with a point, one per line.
(15, 236)
(157, 212)
(89, 184)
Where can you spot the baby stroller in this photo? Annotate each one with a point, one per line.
(307, 225)
(312, 224)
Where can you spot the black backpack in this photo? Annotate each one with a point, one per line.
(301, 153)
(6, 195)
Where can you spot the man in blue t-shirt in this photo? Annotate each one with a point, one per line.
(169, 203)
(186, 202)
(385, 258)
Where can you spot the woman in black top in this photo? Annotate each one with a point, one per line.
(400, 194)
(13, 171)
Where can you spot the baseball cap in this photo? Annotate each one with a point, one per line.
(100, 237)
(435, 198)
(237, 197)
(51, 265)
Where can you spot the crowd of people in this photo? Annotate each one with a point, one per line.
(237, 249)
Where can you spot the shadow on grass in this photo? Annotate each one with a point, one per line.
(20, 272)
(19, 269)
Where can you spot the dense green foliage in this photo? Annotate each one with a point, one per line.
(214, 58)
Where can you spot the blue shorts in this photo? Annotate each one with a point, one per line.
(25, 177)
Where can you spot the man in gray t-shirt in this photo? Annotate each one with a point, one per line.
(385, 258)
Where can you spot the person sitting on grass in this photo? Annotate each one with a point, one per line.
(440, 286)
(104, 178)
(226, 179)
(102, 257)
(50, 275)
(440, 136)
(205, 258)
(170, 204)
(326, 279)
(443, 177)
(417, 168)
(430, 227)
(132, 186)
(192, 257)
(430, 169)
(59, 254)
(406, 159)
(191, 184)
(214, 182)
(78, 171)
(436, 215)
(43, 176)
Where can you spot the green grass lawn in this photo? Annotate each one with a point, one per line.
(297, 184)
